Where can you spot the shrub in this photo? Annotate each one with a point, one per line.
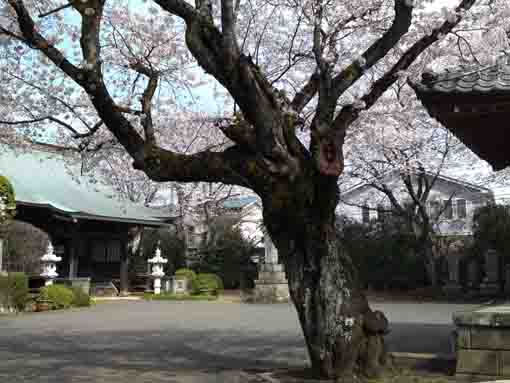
(60, 296)
(228, 254)
(14, 291)
(81, 298)
(384, 257)
(209, 283)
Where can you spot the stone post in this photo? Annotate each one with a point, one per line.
(49, 261)
(271, 285)
(157, 273)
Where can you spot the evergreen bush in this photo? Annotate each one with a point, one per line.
(14, 291)
(209, 283)
(228, 254)
(384, 256)
(61, 297)
(81, 298)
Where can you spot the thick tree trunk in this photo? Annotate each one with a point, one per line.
(426, 253)
(343, 335)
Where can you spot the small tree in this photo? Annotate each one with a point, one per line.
(25, 244)
(7, 202)
(171, 245)
(227, 254)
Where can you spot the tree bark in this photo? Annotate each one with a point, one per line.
(426, 253)
(344, 336)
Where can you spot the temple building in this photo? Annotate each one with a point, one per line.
(86, 222)
(474, 104)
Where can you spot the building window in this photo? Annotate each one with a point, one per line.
(461, 208)
(448, 209)
(365, 214)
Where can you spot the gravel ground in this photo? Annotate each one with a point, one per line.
(141, 341)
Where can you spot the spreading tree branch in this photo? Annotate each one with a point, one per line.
(349, 113)
(231, 166)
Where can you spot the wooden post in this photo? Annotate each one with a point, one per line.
(74, 249)
(124, 267)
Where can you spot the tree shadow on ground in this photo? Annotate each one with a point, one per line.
(156, 356)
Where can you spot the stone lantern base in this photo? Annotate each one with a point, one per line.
(271, 286)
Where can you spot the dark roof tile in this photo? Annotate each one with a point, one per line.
(468, 79)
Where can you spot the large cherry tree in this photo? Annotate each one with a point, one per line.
(287, 65)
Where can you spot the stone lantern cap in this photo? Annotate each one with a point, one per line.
(158, 259)
(50, 256)
(49, 273)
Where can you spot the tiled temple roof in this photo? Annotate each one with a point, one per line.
(41, 177)
(474, 104)
(478, 79)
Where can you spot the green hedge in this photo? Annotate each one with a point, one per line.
(383, 255)
(81, 298)
(61, 297)
(14, 291)
(209, 283)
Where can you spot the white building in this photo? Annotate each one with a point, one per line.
(452, 199)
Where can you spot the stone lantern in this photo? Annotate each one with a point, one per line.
(49, 261)
(157, 263)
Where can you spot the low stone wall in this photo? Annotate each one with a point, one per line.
(483, 343)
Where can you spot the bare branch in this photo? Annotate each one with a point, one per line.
(75, 133)
(148, 94)
(349, 114)
(45, 14)
(37, 41)
(379, 49)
